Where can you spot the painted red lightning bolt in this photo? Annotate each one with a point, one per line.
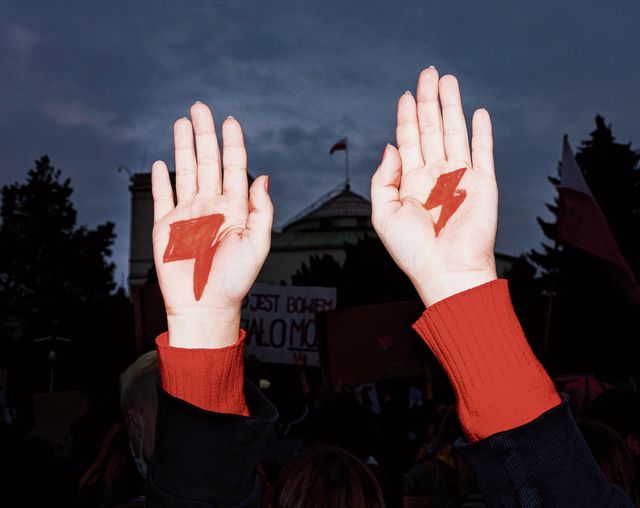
(446, 194)
(195, 239)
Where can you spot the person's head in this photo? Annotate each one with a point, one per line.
(339, 420)
(327, 476)
(139, 403)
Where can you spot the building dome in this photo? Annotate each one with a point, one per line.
(339, 209)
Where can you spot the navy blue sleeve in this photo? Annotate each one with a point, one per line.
(206, 459)
(545, 463)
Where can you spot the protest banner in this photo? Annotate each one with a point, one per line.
(281, 321)
(373, 342)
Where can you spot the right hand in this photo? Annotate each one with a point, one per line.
(432, 141)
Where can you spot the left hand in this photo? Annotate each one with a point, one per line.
(243, 240)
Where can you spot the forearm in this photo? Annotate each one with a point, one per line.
(543, 463)
(202, 359)
(478, 340)
(204, 458)
(526, 449)
(209, 378)
(211, 431)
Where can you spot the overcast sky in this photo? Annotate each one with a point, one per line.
(96, 85)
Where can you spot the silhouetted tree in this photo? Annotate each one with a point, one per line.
(321, 271)
(593, 327)
(56, 279)
(47, 263)
(371, 276)
(367, 276)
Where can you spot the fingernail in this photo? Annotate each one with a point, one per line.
(266, 184)
(197, 102)
(431, 67)
(408, 92)
(230, 117)
(384, 152)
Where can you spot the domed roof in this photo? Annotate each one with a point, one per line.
(340, 208)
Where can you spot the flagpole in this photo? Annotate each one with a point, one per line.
(346, 162)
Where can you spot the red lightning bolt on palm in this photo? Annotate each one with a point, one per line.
(446, 194)
(195, 239)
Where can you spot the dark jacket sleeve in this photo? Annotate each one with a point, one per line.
(206, 459)
(545, 463)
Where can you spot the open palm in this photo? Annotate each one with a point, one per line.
(243, 239)
(432, 141)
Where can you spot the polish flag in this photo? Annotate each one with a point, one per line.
(340, 145)
(581, 222)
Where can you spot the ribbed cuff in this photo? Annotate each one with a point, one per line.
(211, 379)
(479, 342)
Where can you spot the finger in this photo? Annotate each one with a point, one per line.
(234, 160)
(186, 185)
(161, 190)
(385, 193)
(430, 116)
(207, 148)
(260, 217)
(408, 134)
(482, 142)
(456, 140)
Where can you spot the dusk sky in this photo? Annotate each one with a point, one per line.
(96, 85)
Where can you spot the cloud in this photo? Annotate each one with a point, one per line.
(20, 42)
(98, 85)
(74, 113)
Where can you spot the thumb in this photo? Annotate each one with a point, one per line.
(385, 184)
(260, 217)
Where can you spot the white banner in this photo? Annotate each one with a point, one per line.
(280, 321)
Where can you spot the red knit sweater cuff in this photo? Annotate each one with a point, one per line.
(211, 379)
(478, 340)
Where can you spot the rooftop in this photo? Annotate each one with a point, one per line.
(340, 208)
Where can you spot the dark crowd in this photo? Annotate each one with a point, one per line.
(393, 438)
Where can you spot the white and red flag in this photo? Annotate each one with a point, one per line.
(340, 145)
(581, 222)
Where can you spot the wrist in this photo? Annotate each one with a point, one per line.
(204, 328)
(443, 286)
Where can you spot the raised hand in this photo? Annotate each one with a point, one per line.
(435, 201)
(209, 247)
